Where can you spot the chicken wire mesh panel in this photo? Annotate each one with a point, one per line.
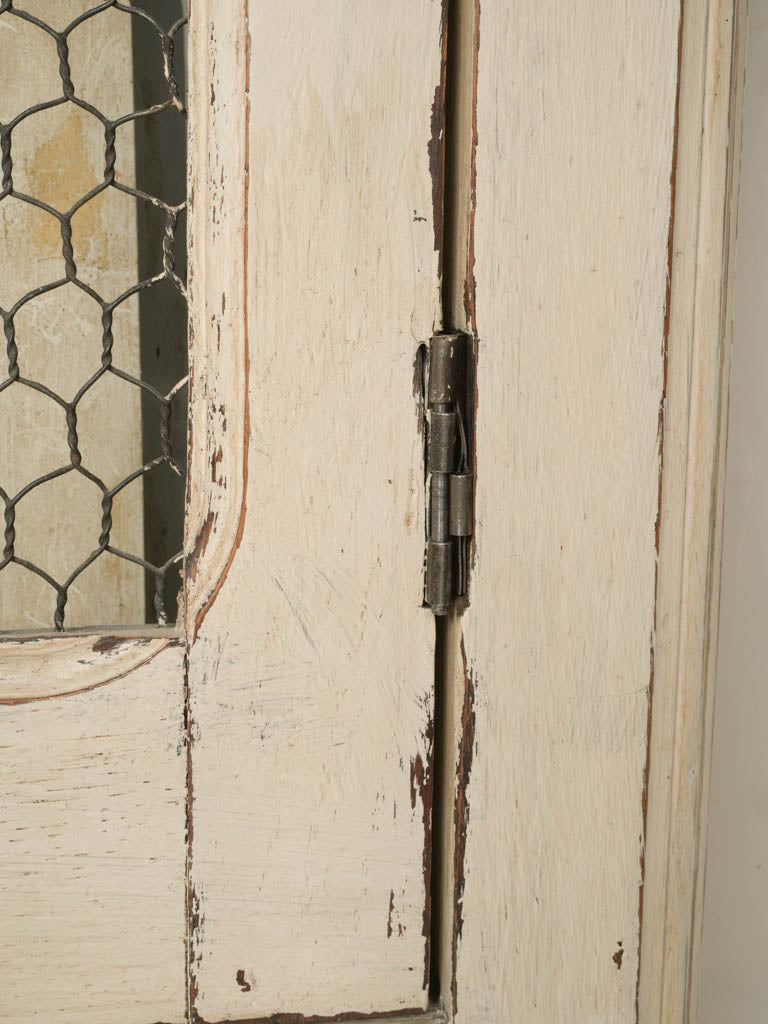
(93, 306)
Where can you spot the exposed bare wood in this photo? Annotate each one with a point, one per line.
(54, 666)
(219, 400)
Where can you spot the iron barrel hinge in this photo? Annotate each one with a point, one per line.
(449, 465)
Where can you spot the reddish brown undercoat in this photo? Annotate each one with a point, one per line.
(461, 815)
(436, 145)
(469, 281)
(422, 788)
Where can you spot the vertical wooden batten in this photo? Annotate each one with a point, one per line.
(310, 675)
(690, 528)
(567, 266)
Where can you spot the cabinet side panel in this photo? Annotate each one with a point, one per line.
(311, 675)
(576, 115)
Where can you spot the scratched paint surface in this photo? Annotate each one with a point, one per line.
(575, 122)
(92, 832)
(311, 675)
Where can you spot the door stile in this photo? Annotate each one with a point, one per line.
(691, 522)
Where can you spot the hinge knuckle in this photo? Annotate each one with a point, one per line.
(443, 433)
(451, 486)
(460, 505)
(439, 572)
(447, 368)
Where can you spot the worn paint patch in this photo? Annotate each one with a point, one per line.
(218, 475)
(198, 548)
(618, 956)
(461, 815)
(245, 986)
(194, 954)
(142, 641)
(436, 145)
(470, 285)
(422, 788)
(108, 644)
(216, 458)
(300, 1018)
(194, 913)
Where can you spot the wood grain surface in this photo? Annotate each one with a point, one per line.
(312, 671)
(567, 289)
(92, 822)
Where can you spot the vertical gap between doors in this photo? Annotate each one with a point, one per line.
(461, 27)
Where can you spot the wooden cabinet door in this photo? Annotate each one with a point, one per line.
(232, 819)
(308, 802)
(598, 191)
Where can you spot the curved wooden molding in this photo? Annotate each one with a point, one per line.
(42, 668)
(219, 416)
(218, 346)
(218, 341)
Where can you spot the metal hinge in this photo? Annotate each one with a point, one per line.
(449, 463)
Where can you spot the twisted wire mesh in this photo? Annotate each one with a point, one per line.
(165, 400)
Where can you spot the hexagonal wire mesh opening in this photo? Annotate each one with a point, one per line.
(93, 305)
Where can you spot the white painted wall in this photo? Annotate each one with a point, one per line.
(735, 943)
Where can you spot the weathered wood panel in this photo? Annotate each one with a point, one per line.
(92, 822)
(567, 288)
(34, 669)
(311, 675)
(690, 526)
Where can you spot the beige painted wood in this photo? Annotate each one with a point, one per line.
(712, 78)
(40, 667)
(58, 156)
(311, 674)
(569, 255)
(92, 819)
(303, 733)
